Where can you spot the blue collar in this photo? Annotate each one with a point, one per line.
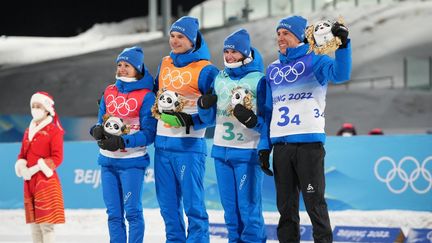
(200, 52)
(145, 82)
(293, 53)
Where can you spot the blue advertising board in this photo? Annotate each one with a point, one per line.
(367, 234)
(379, 172)
(419, 236)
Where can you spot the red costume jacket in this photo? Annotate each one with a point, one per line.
(43, 197)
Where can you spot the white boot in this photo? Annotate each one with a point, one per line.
(36, 233)
(48, 233)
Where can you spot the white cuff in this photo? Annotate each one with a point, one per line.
(32, 170)
(44, 168)
(19, 165)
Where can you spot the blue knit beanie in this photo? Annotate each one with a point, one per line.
(134, 56)
(188, 26)
(294, 24)
(238, 41)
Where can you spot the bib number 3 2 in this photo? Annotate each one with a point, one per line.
(229, 134)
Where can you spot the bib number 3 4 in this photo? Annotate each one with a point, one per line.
(286, 118)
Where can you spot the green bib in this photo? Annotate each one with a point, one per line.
(229, 132)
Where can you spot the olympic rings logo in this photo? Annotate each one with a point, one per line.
(302, 230)
(120, 105)
(175, 78)
(429, 236)
(224, 91)
(288, 73)
(408, 180)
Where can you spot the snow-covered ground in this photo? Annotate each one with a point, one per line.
(18, 50)
(89, 226)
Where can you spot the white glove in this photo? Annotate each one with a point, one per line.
(29, 172)
(20, 166)
(44, 168)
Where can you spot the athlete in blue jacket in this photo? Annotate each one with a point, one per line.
(180, 143)
(125, 112)
(295, 102)
(237, 136)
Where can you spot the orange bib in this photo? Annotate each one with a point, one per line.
(183, 81)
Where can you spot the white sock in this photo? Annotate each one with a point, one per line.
(36, 233)
(48, 233)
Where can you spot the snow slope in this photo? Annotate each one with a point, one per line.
(17, 50)
(377, 32)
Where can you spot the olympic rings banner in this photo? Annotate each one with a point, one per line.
(380, 172)
(362, 172)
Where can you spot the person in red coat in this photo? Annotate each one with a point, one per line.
(41, 153)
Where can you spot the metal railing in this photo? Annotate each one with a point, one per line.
(417, 74)
(369, 82)
(213, 14)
